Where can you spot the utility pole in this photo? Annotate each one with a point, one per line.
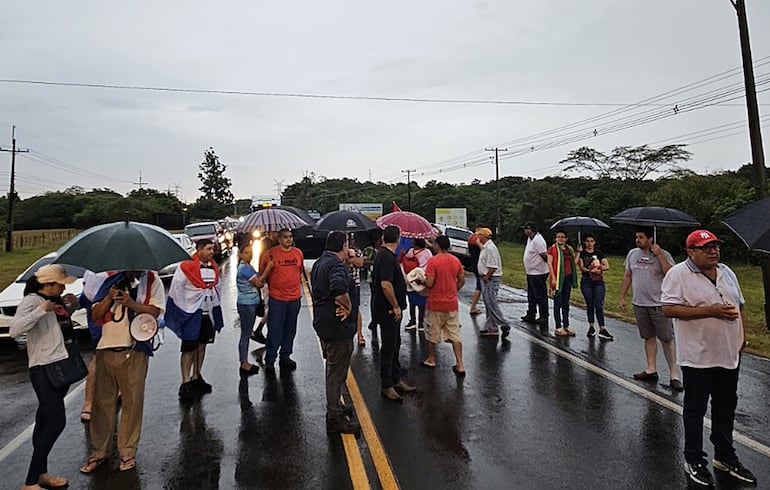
(140, 183)
(497, 184)
(12, 188)
(408, 173)
(755, 133)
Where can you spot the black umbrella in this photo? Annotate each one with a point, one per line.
(123, 245)
(751, 225)
(579, 224)
(656, 217)
(344, 220)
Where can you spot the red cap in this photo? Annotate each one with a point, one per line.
(698, 238)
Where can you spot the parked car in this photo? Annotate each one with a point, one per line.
(11, 296)
(186, 243)
(458, 242)
(223, 239)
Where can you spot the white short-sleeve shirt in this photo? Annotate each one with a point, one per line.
(533, 262)
(704, 342)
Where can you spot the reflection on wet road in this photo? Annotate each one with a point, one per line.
(532, 412)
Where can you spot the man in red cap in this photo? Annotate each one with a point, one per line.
(704, 299)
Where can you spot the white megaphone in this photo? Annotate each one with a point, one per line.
(143, 327)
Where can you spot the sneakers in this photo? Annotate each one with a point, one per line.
(737, 471)
(591, 332)
(645, 376)
(287, 364)
(605, 335)
(200, 385)
(254, 369)
(506, 331)
(187, 392)
(676, 385)
(411, 325)
(421, 327)
(528, 319)
(699, 474)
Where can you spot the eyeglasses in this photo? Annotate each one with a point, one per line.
(709, 247)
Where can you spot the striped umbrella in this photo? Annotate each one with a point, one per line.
(270, 219)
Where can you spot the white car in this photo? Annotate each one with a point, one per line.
(186, 242)
(458, 241)
(12, 295)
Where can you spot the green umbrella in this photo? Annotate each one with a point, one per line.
(123, 245)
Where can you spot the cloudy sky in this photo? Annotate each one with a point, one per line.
(557, 67)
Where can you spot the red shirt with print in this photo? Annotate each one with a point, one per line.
(284, 281)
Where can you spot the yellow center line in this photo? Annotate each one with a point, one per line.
(355, 462)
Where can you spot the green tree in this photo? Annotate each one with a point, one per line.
(626, 162)
(215, 186)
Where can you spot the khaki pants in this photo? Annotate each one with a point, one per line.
(117, 372)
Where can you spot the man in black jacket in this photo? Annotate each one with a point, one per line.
(335, 326)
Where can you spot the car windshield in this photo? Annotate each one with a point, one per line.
(72, 270)
(460, 234)
(197, 230)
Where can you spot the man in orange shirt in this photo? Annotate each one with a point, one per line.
(444, 276)
(285, 291)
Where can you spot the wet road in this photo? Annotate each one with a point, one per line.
(532, 412)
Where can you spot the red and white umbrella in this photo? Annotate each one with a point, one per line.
(412, 225)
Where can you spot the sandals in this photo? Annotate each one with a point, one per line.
(127, 464)
(92, 464)
(85, 416)
(475, 312)
(361, 340)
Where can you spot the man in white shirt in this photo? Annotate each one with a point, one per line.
(536, 268)
(705, 301)
(490, 269)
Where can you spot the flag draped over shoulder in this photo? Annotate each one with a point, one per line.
(189, 297)
(96, 285)
(558, 255)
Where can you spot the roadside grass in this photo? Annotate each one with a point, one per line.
(750, 278)
(14, 263)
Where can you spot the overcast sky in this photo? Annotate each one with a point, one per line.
(546, 51)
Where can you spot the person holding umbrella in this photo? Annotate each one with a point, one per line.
(593, 263)
(114, 300)
(43, 315)
(646, 265)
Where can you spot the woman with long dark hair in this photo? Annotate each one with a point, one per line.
(593, 263)
(44, 316)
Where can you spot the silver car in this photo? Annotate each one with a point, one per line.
(186, 242)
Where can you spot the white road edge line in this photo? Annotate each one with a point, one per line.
(653, 397)
(26, 434)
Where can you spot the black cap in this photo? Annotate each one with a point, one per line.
(532, 226)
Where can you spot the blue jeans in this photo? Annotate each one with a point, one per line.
(593, 292)
(247, 315)
(281, 328)
(49, 421)
(561, 303)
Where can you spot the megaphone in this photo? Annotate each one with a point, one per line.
(143, 327)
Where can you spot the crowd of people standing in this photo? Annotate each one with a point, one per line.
(694, 308)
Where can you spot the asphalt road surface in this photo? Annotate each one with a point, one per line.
(533, 411)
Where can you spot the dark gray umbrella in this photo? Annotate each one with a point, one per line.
(579, 224)
(751, 224)
(123, 245)
(656, 217)
(344, 220)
